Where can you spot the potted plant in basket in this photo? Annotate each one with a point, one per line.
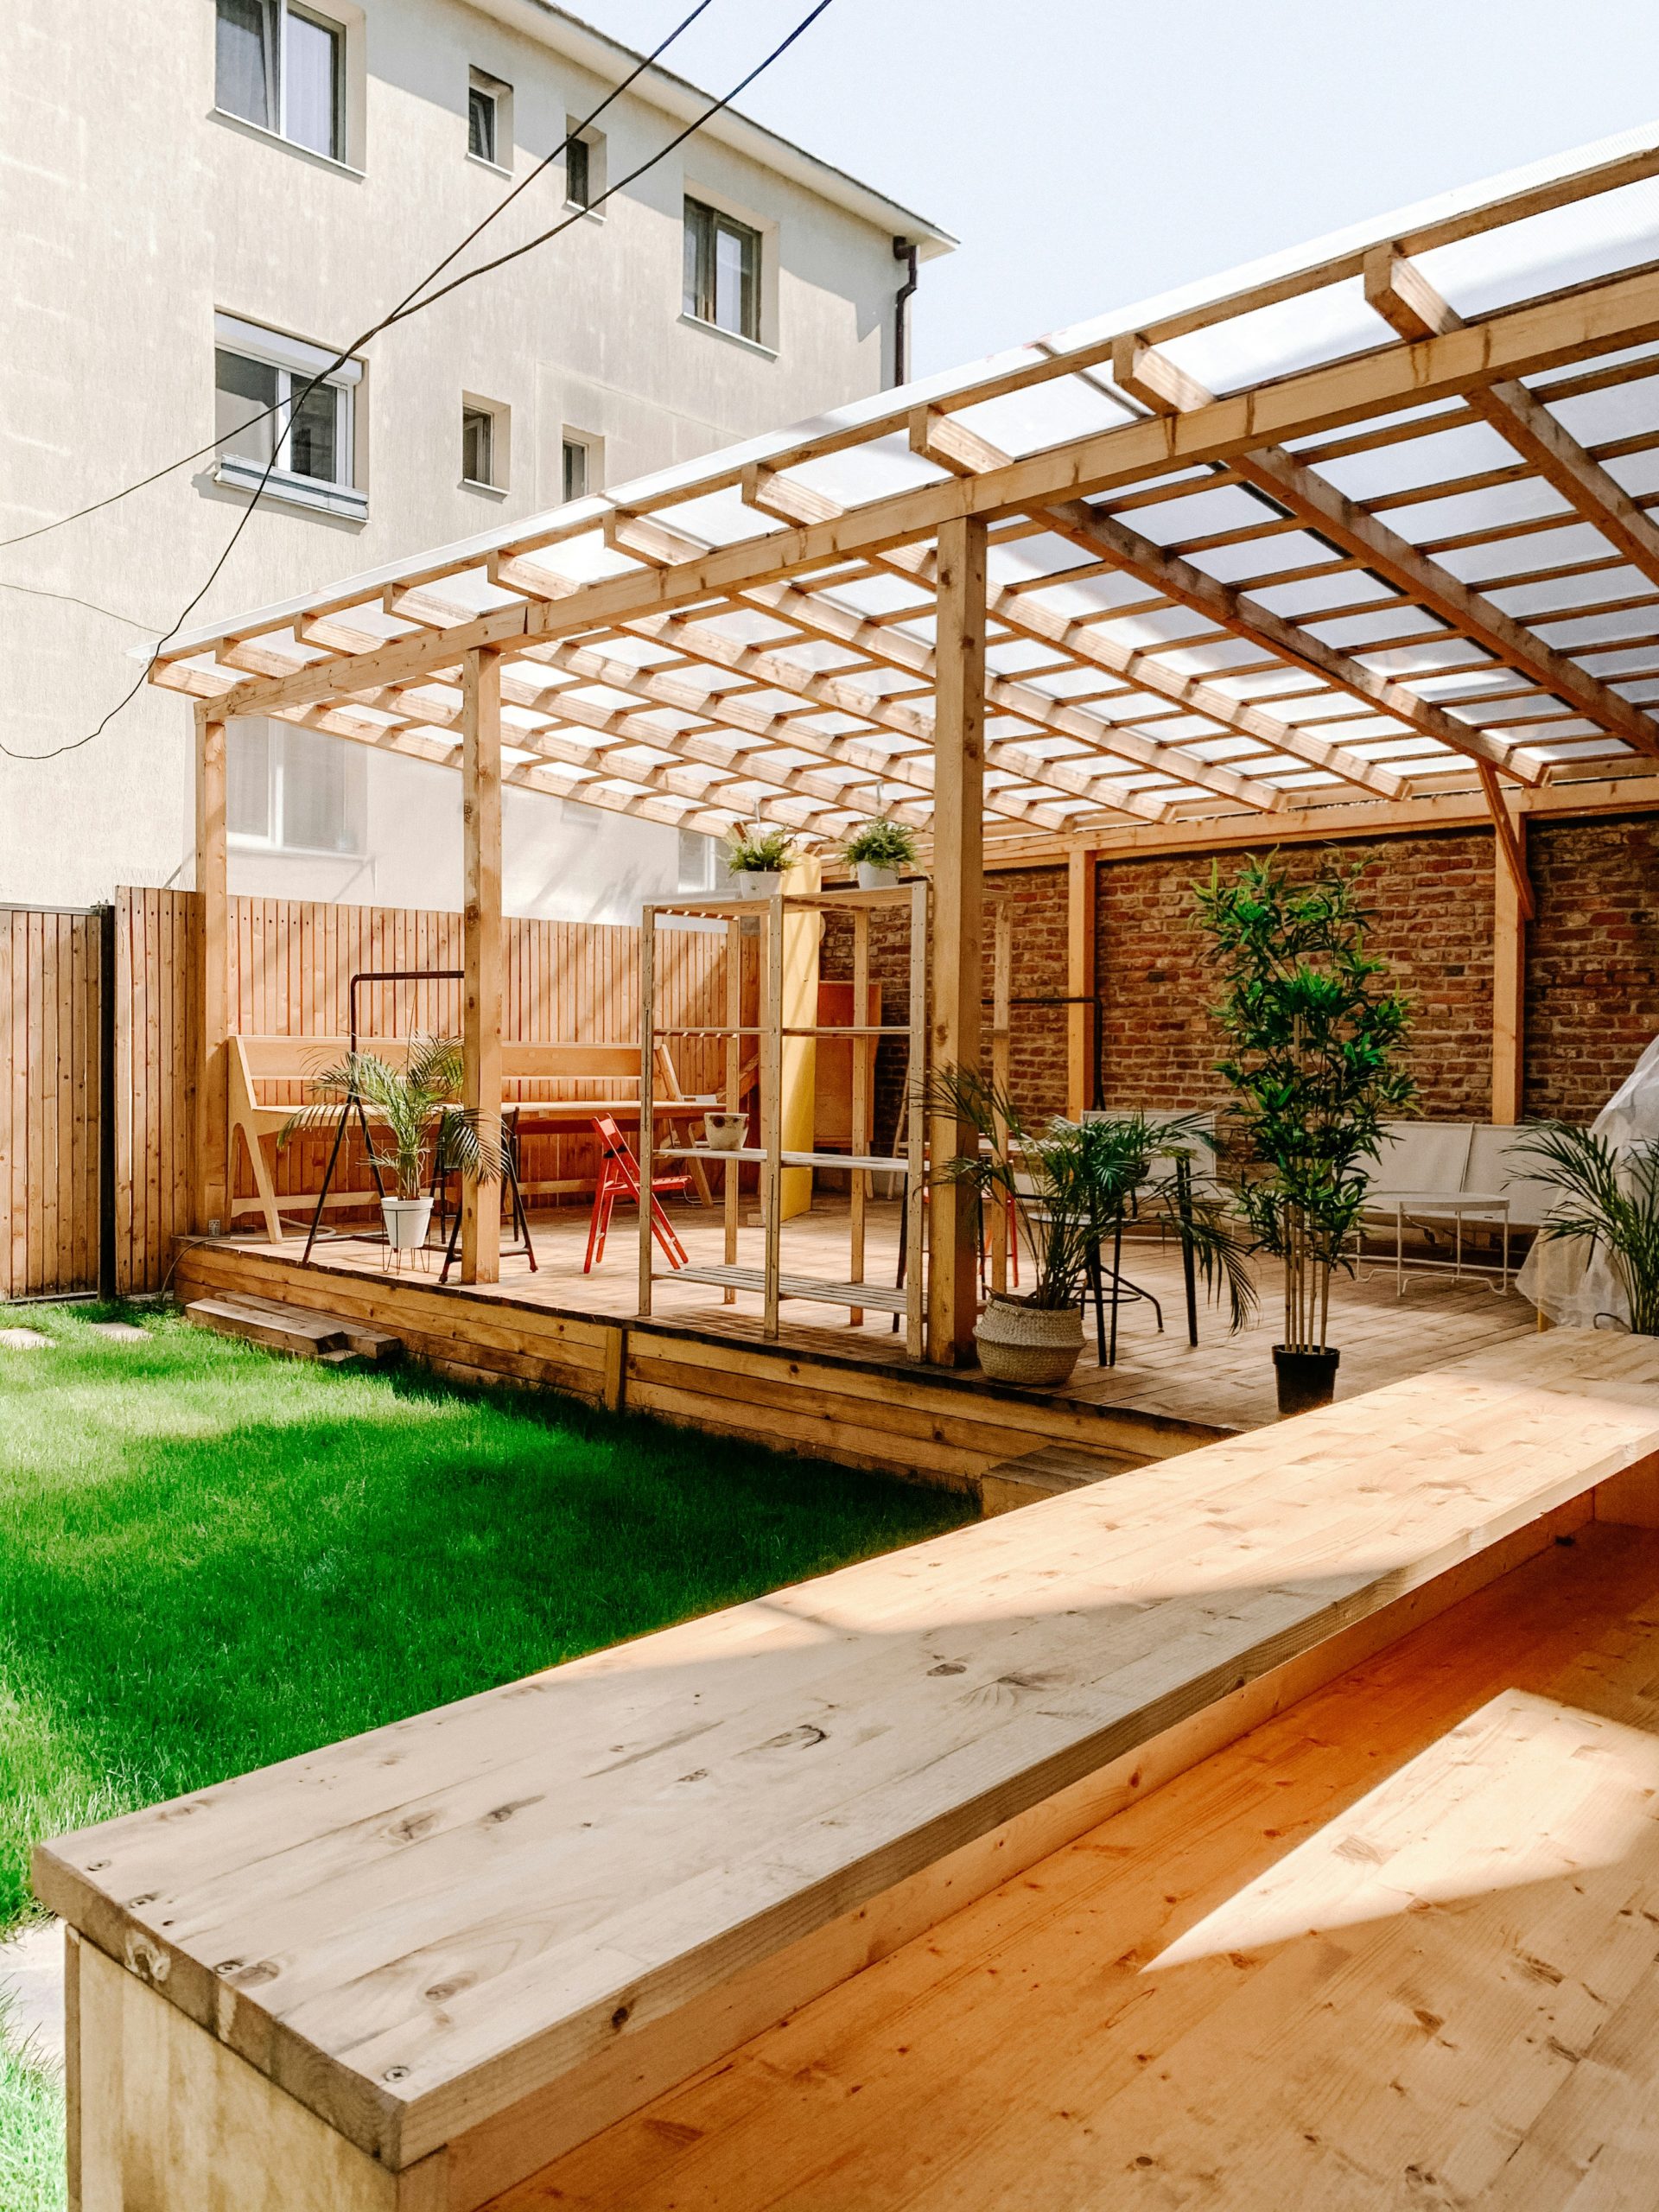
(877, 851)
(1610, 1198)
(411, 1110)
(761, 858)
(1068, 1186)
(1313, 1044)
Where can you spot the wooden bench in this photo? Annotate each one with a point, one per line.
(259, 1063)
(404, 1973)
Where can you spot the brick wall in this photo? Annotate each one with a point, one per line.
(1433, 899)
(1592, 961)
(1593, 969)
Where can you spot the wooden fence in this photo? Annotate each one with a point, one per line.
(289, 969)
(50, 1124)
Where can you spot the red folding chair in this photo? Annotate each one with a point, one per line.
(619, 1178)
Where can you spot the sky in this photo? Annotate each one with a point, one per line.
(1090, 154)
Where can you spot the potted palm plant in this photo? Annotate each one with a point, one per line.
(1610, 1198)
(1068, 1186)
(877, 851)
(410, 1110)
(759, 859)
(1313, 1044)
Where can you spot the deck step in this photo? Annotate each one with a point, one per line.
(293, 1329)
(1051, 1473)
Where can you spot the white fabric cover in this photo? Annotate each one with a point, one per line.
(1567, 1285)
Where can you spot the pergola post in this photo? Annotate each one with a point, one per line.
(481, 813)
(1081, 877)
(213, 977)
(1511, 910)
(958, 897)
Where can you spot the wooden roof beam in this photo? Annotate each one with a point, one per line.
(1152, 378)
(1411, 307)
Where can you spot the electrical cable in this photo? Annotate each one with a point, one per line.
(411, 305)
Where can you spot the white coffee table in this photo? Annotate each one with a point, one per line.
(1442, 1205)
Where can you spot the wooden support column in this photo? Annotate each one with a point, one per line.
(1081, 877)
(480, 811)
(958, 896)
(212, 881)
(1512, 909)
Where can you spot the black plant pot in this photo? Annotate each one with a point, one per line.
(1306, 1379)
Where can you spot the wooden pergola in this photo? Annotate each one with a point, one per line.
(1360, 541)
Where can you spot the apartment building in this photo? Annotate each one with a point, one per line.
(205, 201)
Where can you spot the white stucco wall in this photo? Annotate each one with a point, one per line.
(132, 211)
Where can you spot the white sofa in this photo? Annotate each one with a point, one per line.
(1433, 1176)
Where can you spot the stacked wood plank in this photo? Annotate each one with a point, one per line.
(461, 1945)
(49, 1108)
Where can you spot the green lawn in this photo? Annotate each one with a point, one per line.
(214, 1559)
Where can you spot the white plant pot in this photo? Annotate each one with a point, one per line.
(757, 883)
(1028, 1345)
(407, 1222)
(724, 1132)
(873, 876)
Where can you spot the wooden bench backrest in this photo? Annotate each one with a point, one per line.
(298, 1059)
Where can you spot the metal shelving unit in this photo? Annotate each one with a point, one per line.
(771, 1032)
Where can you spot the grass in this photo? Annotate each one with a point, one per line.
(215, 1559)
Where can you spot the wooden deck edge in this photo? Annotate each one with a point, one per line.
(931, 1425)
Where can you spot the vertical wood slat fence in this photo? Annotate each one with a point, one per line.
(291, 963)
(50, 970)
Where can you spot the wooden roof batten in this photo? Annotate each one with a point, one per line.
(775, 660)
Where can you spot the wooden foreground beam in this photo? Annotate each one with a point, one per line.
(213, 979)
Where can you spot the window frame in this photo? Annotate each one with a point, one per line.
(279, 740)
(275, 16)
(704, 224)
(481, 85)
(498, 420)
(480, 100)
(294, 363)
(592, 449)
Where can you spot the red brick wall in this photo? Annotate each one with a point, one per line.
(1592, 961)
(1592, 969)
(1432, 899)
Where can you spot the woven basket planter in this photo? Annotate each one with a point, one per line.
(1033, 1346)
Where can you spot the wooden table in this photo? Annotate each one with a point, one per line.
(402, 1973)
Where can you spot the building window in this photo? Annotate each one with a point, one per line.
(269, 411)
(576, 469)
(575, 173)
(282, 68)
(584, 164)
(477, 446)
(699, 860)
(480, 122)
(292, 790)
(722, 271)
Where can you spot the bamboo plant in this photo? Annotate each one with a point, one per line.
(411, 1110)
(1313, 1044)
(1073, 1183)
(1610, 1198)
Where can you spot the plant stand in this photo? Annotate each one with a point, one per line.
(770, 1032)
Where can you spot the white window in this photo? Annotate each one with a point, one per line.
(269, 410)
(489, 120)
(283, 67)
(584, 164)
(292, 790)
(722, 271)
(575, 454)
(484, 443)
(699, 860)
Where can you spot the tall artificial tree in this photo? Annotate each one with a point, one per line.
(1313, 1042)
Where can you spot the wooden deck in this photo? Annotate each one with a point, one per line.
(821, 1387)
(1394, 1948)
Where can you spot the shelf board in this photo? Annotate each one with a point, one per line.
(876, 1298)
(874, 1163)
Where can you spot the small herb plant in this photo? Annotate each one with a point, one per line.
(1610, 1197)
(881, 844)
(1313, 1042)
(410, 1108)
(759, 852)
